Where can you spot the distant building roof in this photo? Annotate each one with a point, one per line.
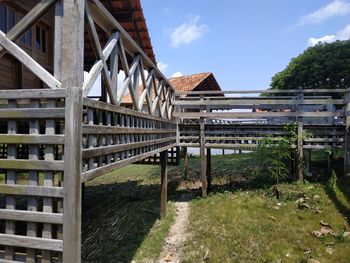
(195, 82)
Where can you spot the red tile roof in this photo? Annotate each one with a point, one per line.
(129, 14)
(195, 82)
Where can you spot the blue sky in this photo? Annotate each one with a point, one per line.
(243, 42)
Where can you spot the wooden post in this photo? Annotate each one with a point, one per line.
(347, 135)
(72, 80)
(209, 169)
(300, 157)
(164, 182)
(202, 157)
(223, 151)
(307, 158)
(186, 166)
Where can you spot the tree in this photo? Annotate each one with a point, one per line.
(324, 66)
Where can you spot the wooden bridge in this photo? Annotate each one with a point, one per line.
(55, 139)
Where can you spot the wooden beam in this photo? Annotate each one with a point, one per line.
(27, 21)
(72, 80)
(29, 62)
(209, 187)
(202, 157)
(164, 183)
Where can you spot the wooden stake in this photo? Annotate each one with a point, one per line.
(209, 168)
(164, 182)
(202, 157)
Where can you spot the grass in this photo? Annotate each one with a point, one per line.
(242, 221)
(121, 216)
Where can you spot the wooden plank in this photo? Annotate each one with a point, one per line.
(98, 51)
(28, 113)
(208, 170)
(39, 217)
(35, 165)
(202, 157)
(29, 62)
(270, 91)
(31, 242)
(33, 180)
(256, 102)
(104, 150)
(31, 139)
(122, 110)
(109, 24)
(32, 94)
(29, 190)
(164, 183)
(10, 226)
(254, 115)
(102, 129)
(72, 177)
(91, 174)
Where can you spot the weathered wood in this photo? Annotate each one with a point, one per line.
(31, 242)
(30, 63)
(30, 216)
(202, 157)
(208, 170)
(15, 189)
(10, 181)
(121, 110)
(32, 94)
(72, 177)
(91, 174)
(98, 51)
(98, 129)
(33, 180)
(347, 137)
(28, 113)
(27, 21)
(254, 115)
(72, 80)
(300, 158)
(186, 165)
(164, 183)
(270, 91)
(258, 102)
(104, 150)
(31, 139)
(35, 165)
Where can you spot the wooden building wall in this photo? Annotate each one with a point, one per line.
(12, 74)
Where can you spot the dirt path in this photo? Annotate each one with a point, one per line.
(174, 242)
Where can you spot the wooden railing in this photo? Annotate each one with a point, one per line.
(52, 140)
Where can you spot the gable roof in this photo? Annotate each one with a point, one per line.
(195, 82)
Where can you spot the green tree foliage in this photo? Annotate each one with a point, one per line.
(324, 66)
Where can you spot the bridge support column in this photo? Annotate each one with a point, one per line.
(347, 136)
(202, 157)
(185, 162)
(164, 182)
(209, 169)
(300, 158)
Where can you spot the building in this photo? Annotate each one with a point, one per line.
(38, 41)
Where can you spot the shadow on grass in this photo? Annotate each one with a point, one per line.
(338, 191)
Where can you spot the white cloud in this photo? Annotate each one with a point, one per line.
(177, 74)
(162, 66)
(334, 8)
(343, 34)
(188, 32)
